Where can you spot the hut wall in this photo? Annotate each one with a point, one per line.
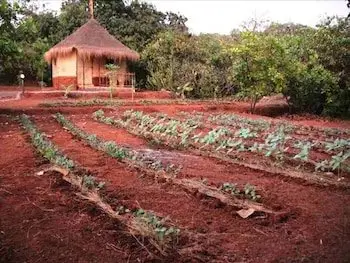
(64, 71)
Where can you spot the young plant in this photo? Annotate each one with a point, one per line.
(151, 225)
(305, 148)
(112, 76)
(90, 182)
(250, 192)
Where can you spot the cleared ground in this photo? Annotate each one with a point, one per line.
(43, 220)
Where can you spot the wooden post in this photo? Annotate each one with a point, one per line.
(91, 8)
(99, 72)
(83, 73)
(92, 72)
(132, 86)
(76, 69)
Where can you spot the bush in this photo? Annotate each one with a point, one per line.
(310, 89)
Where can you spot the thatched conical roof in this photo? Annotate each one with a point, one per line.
(92, 40)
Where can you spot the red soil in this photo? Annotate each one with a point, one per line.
(41, 220)
(313, 219)
(62, 228)
(240, 108)
(59, 82)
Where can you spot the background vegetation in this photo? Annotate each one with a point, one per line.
(309, 66)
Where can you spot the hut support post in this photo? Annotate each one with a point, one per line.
(132, 87)
(76, 70)
(83, 74)
(99, 73)
(92, 72)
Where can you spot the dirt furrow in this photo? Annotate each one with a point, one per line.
(41, 220)
(124, 184)
(315, 208)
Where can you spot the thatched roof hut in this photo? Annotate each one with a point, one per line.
(79, 59)
(92, 40)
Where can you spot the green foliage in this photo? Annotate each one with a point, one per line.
(163, 234)
(275, 143)
(337, 144)
(112, 76)
(114, 150)
(249, 191)
(230, 188)
(305, 148)
(309, 85)
(90, 182)
(331, 41)
(257, 61)
(309, 66)
(245, 133)
(175, 59)
(27, 33)
(44, 146)
(185, 88)
(338, 162)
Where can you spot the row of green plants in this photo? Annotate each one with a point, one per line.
(249, 190)
(169, 131)
(235, 120)
(116, 151)
(116, 102)
(143, 223)
(251, 128)
(222, 140)
(172, 129)
(187, 184)
(82, 103)
(146, 223)
(44, 146)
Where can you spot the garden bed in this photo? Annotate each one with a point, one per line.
(312, 228)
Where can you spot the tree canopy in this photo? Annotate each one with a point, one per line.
(309, 66)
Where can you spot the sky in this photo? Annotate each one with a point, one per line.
(217, 16)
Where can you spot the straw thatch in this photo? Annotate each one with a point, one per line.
(92, 40)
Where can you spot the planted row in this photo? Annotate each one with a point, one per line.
(221, 143)
(261, 127)
(139, 222)
(116, 151)
(242, 201)
(109, 102)
(277, 144)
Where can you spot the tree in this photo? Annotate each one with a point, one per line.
(176, 60)
(257, 63)
(9, 48)
(278, 29)
(331, 41)
(74, 13)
